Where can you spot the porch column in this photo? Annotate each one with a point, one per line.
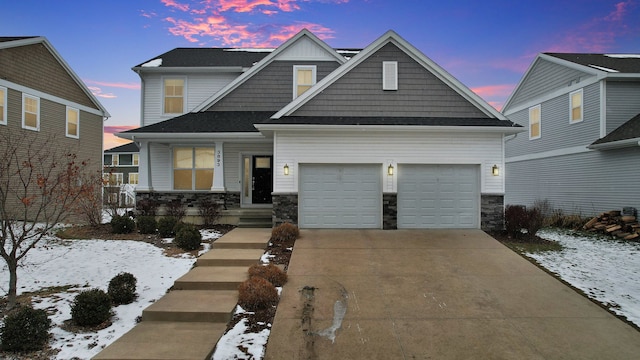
(218, 168)
(144, 168)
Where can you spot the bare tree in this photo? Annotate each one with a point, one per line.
(39, 188)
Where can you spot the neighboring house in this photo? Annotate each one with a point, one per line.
(120, 173)
(581, 151)
(41, 97)
(323, 138)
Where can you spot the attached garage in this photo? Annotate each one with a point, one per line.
(340, 196)
(438, 196)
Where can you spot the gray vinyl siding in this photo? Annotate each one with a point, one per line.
(586, 183)
(269, 89)
(623, 102)
(359, 92)
(556, 130)
(544, 77)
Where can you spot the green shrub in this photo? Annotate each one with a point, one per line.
(257, 293)
(122, 224)
(188, 238)
(166, 226)
(285, 232)
(122, 288)
(147, 224)
(515, 219)
(91, 307)
(25, 329)
(270, 272)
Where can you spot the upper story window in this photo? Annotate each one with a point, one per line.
(30, 112)
(534, 122)
(304, 77)
(136, 159)
(576, 106)
(112, 179)
(115, 160)
(73, 122)
(193, 168)
(133, 178)
(389, 75)
(173, 96)
(3, 106)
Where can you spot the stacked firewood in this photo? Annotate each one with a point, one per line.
(614, 223)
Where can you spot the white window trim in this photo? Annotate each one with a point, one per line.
(539, 122)
(4, 106)
(571, 121)
(193, 165)
(184, 94)
(37, 99)
(313, 69)
(129, 180)
(386, 84)
(77, 136)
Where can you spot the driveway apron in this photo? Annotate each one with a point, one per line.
(433, 294)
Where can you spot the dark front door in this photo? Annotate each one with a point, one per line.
(262, 182)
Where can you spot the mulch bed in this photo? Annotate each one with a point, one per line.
(524, 238)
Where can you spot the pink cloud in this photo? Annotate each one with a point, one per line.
(494, 90)
(96, 91)
(174, 4)
(130, 86)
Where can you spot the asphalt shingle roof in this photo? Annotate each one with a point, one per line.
(382, 120)
(131, 147)
(628, 130)
(205, 57)
(208, 122)
(624, 63)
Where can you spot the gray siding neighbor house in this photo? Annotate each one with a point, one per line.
(582, 146)
(120, 173)
(380, 137)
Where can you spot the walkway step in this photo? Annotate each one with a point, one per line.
(212, 278)
(165, 340)
(193, 306)
(230, 257)
(244, 238)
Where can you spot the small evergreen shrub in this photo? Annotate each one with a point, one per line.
(91, 307)
(166, 226)
(209, 211)
(256, 294)
(26, 329)
(122, 288)
(147, 207)
(179, 225)
(147, 224)
(270, 272)
(188, 238)
(285, 232)
(122, 224)
(515, 219)
(176, 209)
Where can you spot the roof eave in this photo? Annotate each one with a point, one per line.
(615, 144)
(189, 69)
(395, 128)
(186, 136)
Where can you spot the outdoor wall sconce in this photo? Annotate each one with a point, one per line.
(390, 170)
(495, 170)
(286, 169)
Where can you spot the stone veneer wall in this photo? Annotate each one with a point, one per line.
(285, 208)
(229, 200)
(389, 211)
(492, 212)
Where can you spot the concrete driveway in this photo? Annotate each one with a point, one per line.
(433, 294)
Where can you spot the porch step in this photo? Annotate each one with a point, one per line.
(244, 238)
(165, 340)
(193, 306)
(230, 257)
(212, 278)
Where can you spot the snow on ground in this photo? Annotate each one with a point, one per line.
(603, 268)
(86, 264)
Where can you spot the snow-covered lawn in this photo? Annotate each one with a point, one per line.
(605, 269)
(86, 264)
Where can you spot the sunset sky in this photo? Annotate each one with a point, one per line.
(487, 45)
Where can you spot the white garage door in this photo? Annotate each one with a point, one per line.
(438, 196)
(340, 196)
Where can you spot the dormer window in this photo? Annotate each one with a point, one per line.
(304, 77)
(173, 96)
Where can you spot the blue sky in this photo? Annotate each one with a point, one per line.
(487, 45)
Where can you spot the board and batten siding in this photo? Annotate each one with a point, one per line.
(271, 88)
(585, 184)
(623, 102)
(199, 87)
(384, 148)
(359, 92)
(557, 132)
(543, 78)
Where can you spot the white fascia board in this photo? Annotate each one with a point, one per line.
(390, 37)
(193, 69)
(616, 144)
(189, 136)
(548, 154)
(262, 64)
(391, 128)
(623, 76)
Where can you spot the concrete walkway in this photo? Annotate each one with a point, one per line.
(429, 294)
(187, 322)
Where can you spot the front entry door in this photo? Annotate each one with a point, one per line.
(258, 179)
